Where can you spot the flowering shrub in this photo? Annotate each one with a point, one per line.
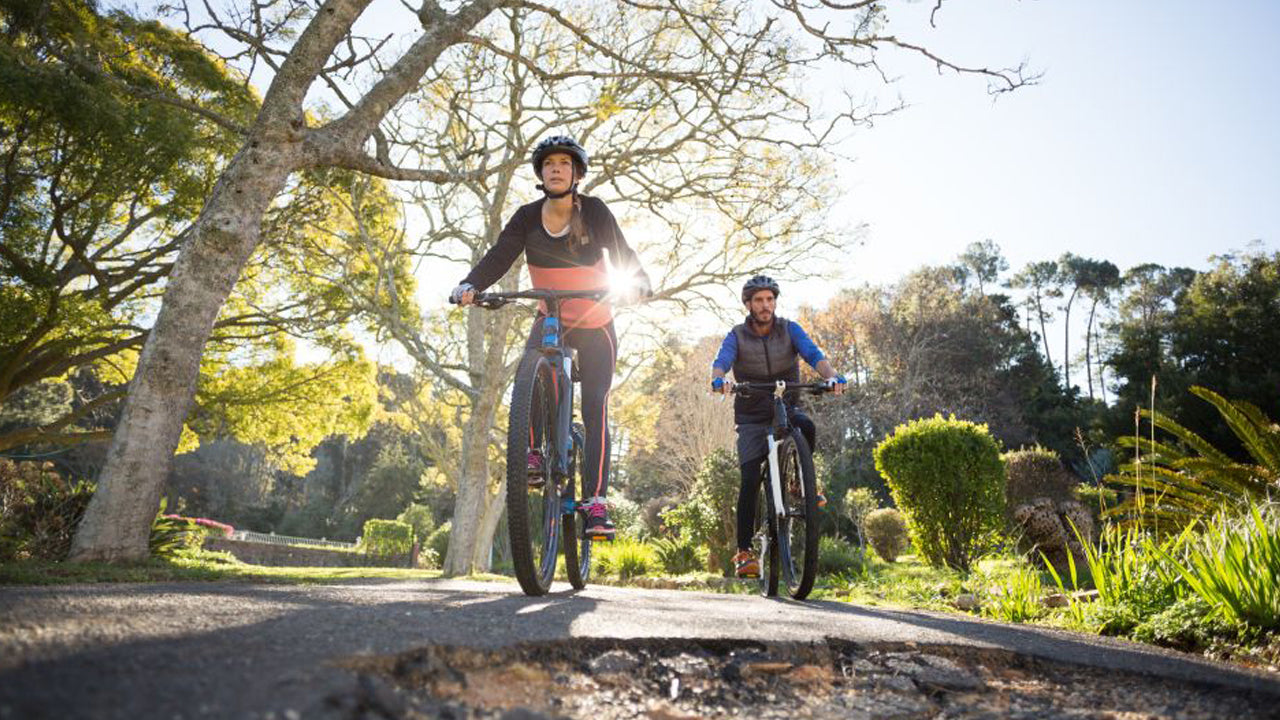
(39, 511)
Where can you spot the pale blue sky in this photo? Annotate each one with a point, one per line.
(1151, 138)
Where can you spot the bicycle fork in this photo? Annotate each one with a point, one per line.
(564, 414)
(775, 480)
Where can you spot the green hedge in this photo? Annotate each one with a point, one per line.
(387, 537)
(947, 479)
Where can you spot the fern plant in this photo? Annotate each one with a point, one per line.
(1173, 484)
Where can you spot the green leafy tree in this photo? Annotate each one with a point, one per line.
(1212, 329)
(420, 518)
(858, 504)
(105, 171)
(97, 185)
(1099, 280)
(982, 262)
(1040, 281)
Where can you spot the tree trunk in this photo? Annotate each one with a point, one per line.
(1044, 333)
(1088, 336)
(473, 487)
(1066, 343)
(475, 514)
(483, 555)
(117, 524)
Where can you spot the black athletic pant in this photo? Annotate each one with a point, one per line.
(597, 356)
(752, 474)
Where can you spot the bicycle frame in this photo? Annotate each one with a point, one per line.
(560, 358)
(781, 428)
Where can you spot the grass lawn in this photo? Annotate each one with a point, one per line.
(912, 583)
(203, 566)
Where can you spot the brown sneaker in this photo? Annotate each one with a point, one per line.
(746, 565)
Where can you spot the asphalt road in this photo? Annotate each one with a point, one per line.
(264, 651)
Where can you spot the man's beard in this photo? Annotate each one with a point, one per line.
(755, 318)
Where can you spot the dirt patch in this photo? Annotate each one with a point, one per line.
(676, 679)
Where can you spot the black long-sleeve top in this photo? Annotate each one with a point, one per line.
(560, 263)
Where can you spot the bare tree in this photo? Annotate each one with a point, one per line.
(691, 422)
(301, 48)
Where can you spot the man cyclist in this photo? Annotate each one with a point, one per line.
(764, 348)
(563, 237)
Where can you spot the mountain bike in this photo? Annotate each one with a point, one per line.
(543, 511)
(786, 538)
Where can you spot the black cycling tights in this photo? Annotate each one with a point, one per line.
(597, 355)
(752, 473)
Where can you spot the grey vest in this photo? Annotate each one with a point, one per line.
(763, 359)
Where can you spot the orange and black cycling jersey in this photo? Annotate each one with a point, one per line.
(561, 263)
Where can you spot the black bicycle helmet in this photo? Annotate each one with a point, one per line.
(758, 283)
(564, 144)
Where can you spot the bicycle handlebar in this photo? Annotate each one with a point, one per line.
(493, 301)
(750, 388)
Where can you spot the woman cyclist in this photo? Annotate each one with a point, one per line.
(564, 236)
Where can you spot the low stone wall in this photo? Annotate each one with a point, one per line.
(256, 553)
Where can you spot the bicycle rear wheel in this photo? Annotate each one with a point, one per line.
(533, 514)
(798, 529)
(765, 540)
(577, 549)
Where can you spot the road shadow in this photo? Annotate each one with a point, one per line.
(253, 648)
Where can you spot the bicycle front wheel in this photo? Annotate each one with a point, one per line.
(533, 511)
(798, 527)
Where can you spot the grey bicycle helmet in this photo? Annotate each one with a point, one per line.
(564, 144)
(758, 283)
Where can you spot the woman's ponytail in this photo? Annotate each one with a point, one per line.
(578, 236)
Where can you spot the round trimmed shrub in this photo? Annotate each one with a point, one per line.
(948, 481)
(1034, 473)
(887, 533)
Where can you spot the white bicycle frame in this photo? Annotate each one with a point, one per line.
(775, 482)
